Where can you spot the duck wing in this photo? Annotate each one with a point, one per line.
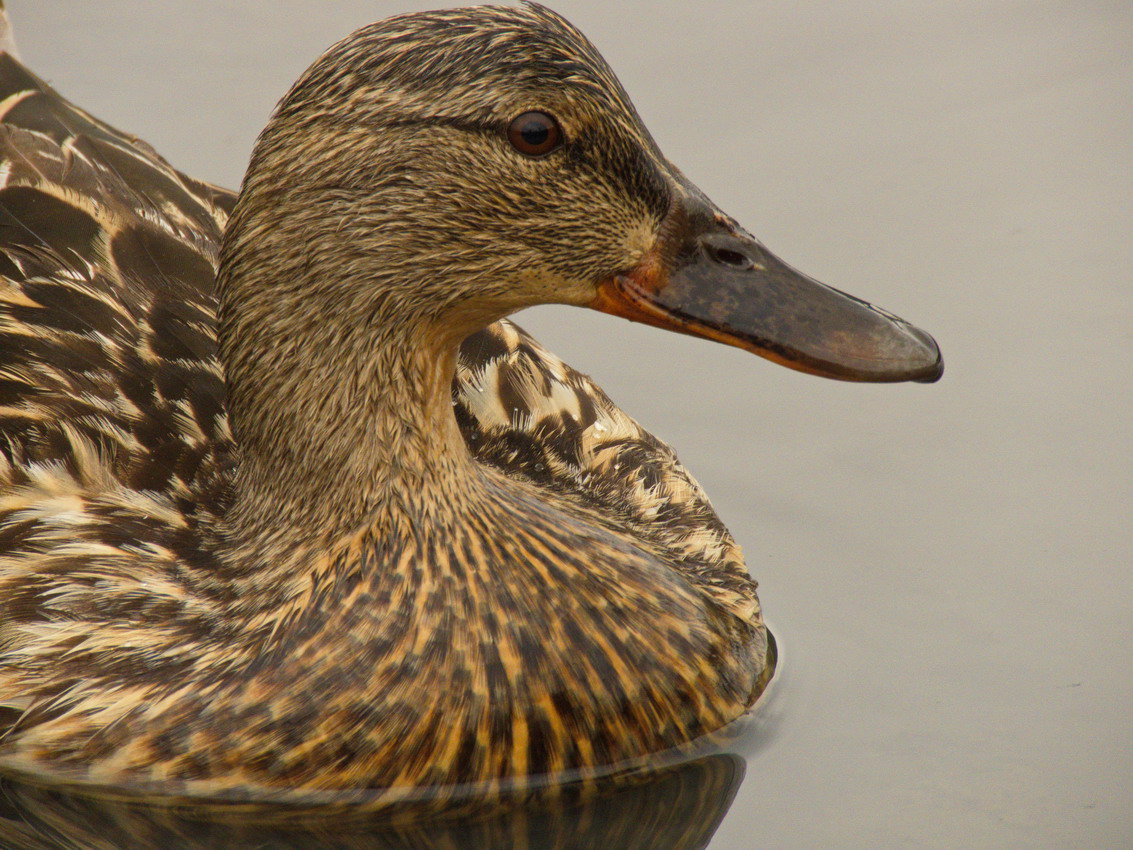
(109, 375)
(530, 415)
(107, 321)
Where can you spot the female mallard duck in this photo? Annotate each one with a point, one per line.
(247, 545)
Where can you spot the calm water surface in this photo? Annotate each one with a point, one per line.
(947, 566)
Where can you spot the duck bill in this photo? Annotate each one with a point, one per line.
(708, 278)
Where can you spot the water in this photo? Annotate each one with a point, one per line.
(947, 566)
(676, 809)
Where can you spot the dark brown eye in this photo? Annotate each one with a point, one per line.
(534, 134)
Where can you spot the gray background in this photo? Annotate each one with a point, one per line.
(947, 566)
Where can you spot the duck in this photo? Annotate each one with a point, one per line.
(288, 504)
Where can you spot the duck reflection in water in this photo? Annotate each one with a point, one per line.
(675, 808)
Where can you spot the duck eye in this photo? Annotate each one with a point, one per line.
(534, 134)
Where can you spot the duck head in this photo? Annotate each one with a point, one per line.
(455, 166)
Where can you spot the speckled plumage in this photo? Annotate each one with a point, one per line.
(570, 601)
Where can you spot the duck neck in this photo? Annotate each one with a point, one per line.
(343, 422)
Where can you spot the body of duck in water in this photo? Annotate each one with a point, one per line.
(287, 505)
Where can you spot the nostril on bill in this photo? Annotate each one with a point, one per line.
(728, 257)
